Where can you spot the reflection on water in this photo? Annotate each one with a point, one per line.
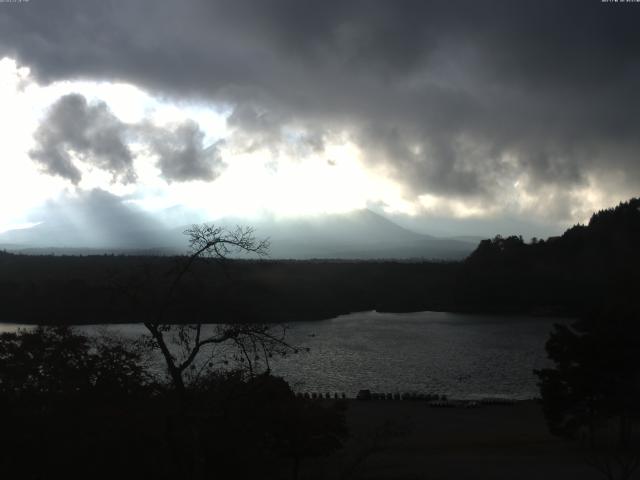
(463, 356)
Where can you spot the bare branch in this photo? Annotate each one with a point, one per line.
(252, 340)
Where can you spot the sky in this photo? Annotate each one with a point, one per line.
(451, 118)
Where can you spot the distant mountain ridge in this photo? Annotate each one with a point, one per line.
(360, 235)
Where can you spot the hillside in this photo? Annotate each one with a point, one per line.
(587, 264)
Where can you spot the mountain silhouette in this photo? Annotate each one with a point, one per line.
(361, 234)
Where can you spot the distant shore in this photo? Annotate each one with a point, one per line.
(69, 290)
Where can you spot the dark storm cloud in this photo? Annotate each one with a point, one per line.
(91, 132)
(75, 130)
(181, 153)
(452, 96)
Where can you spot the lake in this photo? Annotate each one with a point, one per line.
(460, 355)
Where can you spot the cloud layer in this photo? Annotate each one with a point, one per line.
(91, 133)
(461, 100)
(75, 131)
(181, 153)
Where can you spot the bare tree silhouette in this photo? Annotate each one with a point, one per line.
(177, 316)
(254, 342)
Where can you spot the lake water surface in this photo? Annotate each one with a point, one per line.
(463, 356)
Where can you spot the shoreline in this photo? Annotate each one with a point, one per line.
(546, 315)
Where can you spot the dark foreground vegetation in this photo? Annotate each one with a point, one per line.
(591, 395)
(561, 275)
(73, 407)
